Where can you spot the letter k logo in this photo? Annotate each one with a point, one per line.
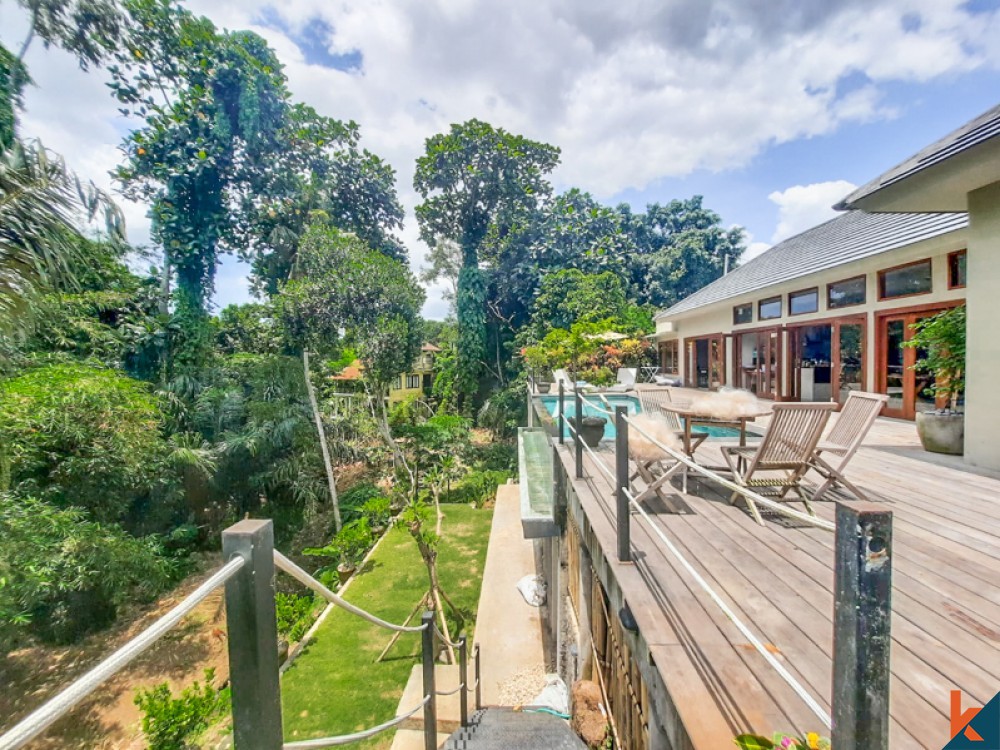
(960, 719)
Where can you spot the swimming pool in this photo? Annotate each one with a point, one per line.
(551, 403)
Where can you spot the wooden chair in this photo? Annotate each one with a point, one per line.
(853, 424)
(654, 465)
(784, 454)
(654, 403)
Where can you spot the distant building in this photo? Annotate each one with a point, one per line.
(417, 381)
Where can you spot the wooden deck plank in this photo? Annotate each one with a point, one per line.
(779, 581)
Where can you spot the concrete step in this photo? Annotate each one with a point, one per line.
(505, 729)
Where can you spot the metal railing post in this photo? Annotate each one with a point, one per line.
(621, 484)
(430, 708)
(577, 440)
(253, 637)
(479, 684)
(562, 413)
(463, 680)
(531, 391)
(861, 637)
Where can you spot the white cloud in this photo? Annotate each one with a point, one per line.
(802, 207)
(632, 92)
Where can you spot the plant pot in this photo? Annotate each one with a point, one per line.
(543, 387)
(942, 432)
(592, 430)
(345, 571)
(378, 530)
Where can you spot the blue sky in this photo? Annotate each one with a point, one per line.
(771, 110)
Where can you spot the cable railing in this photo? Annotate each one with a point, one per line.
(251, 622)
(55, 708)
(861, 622)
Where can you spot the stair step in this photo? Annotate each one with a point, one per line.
(505, 729)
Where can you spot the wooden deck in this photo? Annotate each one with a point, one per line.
(779, 580)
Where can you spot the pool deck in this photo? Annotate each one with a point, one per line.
(779, 580)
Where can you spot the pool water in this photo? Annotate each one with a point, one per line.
(551, 403)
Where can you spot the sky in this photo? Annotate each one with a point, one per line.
(773, 110)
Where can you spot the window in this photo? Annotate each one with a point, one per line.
(903, 281)
(806, 301)
(412, 381)
(846, 293)
(743, 314)
(398, 384)
(669, 357)
(956, 270)
(769, 308)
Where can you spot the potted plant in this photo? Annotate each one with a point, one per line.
(591, 430)
(378, 512)
(941, 339)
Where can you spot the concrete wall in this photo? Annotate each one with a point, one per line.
(982, 415)
(718, 318)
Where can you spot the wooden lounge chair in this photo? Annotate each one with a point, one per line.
(569, 385)
(785, 453)
(853, 423)
(626, 379)
(652, 464)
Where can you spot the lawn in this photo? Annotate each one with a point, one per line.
(335, 686)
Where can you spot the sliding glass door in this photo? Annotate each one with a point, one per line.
(758, 361)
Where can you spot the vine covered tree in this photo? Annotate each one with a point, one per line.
(477, 182)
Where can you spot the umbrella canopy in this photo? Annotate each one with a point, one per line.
(607, 336)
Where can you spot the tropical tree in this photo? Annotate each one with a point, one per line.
(477, 182)
(342, 291)
(40, 204)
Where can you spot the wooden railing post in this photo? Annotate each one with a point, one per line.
(562, 412)
(861, 633)
(463, 680)
(253, 637)
(621, 481)
(578, 441)
(430, 708)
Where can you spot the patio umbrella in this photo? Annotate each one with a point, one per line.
(607, 336)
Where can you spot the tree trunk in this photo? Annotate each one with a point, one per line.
(324, 448)
(382, 419)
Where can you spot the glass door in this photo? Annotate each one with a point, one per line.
(849, 359)
(757, 354)
(907, 390)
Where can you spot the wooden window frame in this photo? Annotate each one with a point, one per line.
(803, 291)
(829, 303)
(737, 307)
(691, 364)
(880, 279)
(760, 303)
(952, 257)
(674, 344)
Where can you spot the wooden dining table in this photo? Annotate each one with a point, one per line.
(692, 418)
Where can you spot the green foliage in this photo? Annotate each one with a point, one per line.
(477, 181)
(378, 511)
(782, 741)
(173, 723)
(296, 613)
(13, 78)
(478, 487)
(349, 545)
(940, 341)
(62, 575)
(78, 435)
(505, 410)
(248, 329)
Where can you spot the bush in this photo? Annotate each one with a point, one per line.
(498, 456)
(62, 576)
(171, 723)
(296, 613)
(478, 487)
(353, 500)
(81, 436)
(377, 511)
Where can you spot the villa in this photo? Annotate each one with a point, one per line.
(826, 312)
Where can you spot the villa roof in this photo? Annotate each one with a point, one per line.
(429, 348)
(845, 239)
(971, 135)
(352, 372)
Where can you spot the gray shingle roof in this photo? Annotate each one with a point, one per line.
(977, 131)
(847, 238)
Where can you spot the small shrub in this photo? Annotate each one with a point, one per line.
(353, 500)
(350, 545)
(478, 487)
(295, 615)
(377, 511)
(171, 723)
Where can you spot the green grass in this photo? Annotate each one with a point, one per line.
(335, 686)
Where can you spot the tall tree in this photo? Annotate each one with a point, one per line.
(343, 290)
(477, 181)
(215, 106)
(680, 247)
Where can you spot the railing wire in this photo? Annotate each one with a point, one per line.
(286, 565)
(443, 693)
(747, 633)
(600, 464)
(347, 739)
(441, 636)
(40, 719)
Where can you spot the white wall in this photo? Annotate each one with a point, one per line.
(718, 317)
(982, 413)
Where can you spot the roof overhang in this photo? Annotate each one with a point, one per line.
(941, 187)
